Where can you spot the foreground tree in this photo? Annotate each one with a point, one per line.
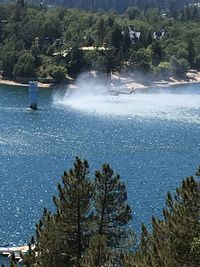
(21, 3)
(63, 237)
(98, 254)
(89, 224)
(174, 240)
(112, 213)
(111, 216)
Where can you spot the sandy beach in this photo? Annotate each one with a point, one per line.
(127, 81)
(14, 83)
(136, 81)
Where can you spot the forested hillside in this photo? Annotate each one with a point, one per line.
(118, 5)
(49, 43)
(121, 5)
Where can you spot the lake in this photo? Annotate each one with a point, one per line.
(150, 138)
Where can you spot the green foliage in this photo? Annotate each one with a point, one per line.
(133, 13)
(25, 67)
(21, 3)
(50, 248)
(197, 62)
(152, 15)
(121, 6)
(9, 58)
(109, 61)
(13, 262)
(92, 58)
(75, 60)
(97, 254)
(58, 73)
(179, 66)
(195, 249)
(112, 213)
(182, 53)
(157, 53)
(89, 223)
(29, 259)
(116, 37)
(140, 59)
(191, 52)
(163, 69)
(52, 27)
(44, 32)
(174, 240)
(100, 30)
(98, 61)
(63, 237)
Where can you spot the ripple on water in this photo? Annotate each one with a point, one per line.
(151, 140)
(163, 106)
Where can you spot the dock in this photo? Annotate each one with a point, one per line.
(16, 251)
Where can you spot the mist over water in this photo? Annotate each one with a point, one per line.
(92, 97)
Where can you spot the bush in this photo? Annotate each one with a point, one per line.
(179, 66)
(197, 62)
(133, 13)
(58, 73)
(140, 59)
(163, 69)
(25, 66)
(9, 58)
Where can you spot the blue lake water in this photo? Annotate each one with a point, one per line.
(150, 138)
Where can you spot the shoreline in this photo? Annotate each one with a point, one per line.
(128, 81)
(17, 84)
(131, 81)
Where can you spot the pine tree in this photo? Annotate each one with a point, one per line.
(50, 249)
(191, 52)
(172, 241)
(13, 261)
(97, 254)
(21, 3)
(29, 259)
(195, 248)
(157, 53)
(142, 256)
(100, 31)
(63, 237)
(112, 213)
(89, 223)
